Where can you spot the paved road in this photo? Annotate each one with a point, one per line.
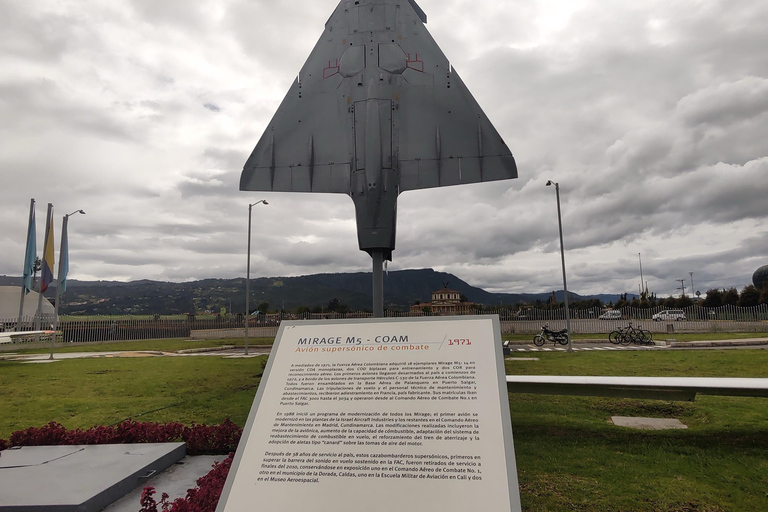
(583, 348)
(45, 358)
(517, 347)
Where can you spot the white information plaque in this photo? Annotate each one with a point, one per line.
(403, 414)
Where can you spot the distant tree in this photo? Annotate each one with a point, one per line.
(586, 304)
(337, 306)
(731, 297)
(426, 310)
(764, 295)
(683, 302)
(714, 299)
(622, 302)
(668, 302)
(263, 307)
(750, 296)
(301, 310)
(463, 298)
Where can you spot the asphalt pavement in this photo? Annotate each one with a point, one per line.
(516, 346)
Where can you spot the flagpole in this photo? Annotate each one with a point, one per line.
(29, 263)
(63, 249)
(61, 276)
(47, 264)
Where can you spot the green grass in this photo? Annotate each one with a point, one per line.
(80, 393)
(569, 456)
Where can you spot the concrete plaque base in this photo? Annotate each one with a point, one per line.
(78, 478)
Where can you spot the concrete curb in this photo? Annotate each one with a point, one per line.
(720, 343)
(220, 349)
(205, 349)
(574, 342)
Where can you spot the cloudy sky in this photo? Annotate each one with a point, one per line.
(652, 116)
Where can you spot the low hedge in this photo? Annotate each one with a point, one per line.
(203, 498)
(200, 439)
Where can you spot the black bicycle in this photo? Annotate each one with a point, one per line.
(629, 335)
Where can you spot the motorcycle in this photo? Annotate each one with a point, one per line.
(548, 334)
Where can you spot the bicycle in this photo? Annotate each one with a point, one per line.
(629, 334)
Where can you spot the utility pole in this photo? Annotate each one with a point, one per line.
(562, 260)
(641, 274)
(682, 285)
(693, 289)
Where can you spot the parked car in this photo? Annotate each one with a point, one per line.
(669, 314)
(613, 314)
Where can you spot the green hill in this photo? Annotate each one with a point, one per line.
(401, 289)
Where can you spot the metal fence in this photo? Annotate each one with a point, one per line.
(123, 328)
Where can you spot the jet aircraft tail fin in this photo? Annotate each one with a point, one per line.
(437, 133)
(421, 14)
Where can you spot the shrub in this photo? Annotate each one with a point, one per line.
(203, 498)
(200, 439)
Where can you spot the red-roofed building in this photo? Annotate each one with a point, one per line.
(444, 302)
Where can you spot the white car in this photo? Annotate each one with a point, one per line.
(669, 314)
(613, 314)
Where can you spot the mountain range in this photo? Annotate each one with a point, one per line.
(402, 288)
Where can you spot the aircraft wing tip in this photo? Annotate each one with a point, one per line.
(420, 13)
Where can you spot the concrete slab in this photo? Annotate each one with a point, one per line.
(647, 423)
(521, 358)
(175, 481)
(78, 478)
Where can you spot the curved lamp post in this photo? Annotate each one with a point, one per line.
(248, 275)
(562, 259)
(62, 272)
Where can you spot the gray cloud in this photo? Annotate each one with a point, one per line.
(652, 118)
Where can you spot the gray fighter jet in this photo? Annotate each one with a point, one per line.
(376, 110)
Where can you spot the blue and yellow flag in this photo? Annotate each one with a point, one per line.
(47, 271)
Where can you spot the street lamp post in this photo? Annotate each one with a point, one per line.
(62, 272)
(693, 290)
(248, 275)
(562, 259)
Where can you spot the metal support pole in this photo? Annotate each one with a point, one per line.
(63, 270)
(58, 281)
(248, 277)
(248, 281)
(378, 283)
(562, 259)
